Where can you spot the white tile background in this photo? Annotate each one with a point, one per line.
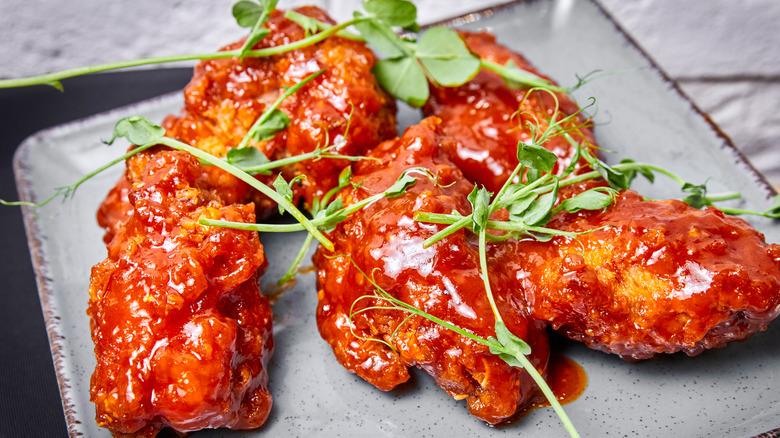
(724, 53)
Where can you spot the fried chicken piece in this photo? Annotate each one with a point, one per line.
(344, 107)
(384, 241)
(488, 118)
(182, 334)
(656, 277)
(662, 277)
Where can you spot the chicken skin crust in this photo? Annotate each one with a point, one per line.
(655, 277)
(660, 277)
(344, 106)
(182, 334)
(488, 118)
(385, 242)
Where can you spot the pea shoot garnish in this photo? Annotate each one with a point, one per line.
(326, 212)
(438, 56)
(505, 345)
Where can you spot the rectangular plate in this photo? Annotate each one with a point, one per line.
(641, 114)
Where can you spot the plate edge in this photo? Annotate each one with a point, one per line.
(35, 241)
(45, 292)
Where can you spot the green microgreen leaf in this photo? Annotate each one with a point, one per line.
(334, 206)
(647, 173)
(480, 207)
(404, 79)
(310, 25)
(594, 199)
(509, 347)
(518, 78)
(519, 206)
(56, 84)
(446, 57)
(257, 14)
(533, 174)
(613, 177)
(540, 211)
(253, 38)
(247, 13)
(539, 237)
(275, 122)
(536, 157)
(344, 177)
(333, 214)
(248, 159)
(698, 195)
(401, 184)
(285, 189)
(137, 130)
(380, 37)
(400, 13)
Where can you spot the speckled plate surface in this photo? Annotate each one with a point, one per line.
(732, 392)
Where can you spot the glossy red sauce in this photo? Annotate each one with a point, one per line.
(344, 107)
(566, 378)
(488, 118)
(385, 242)
(182, 333)
(656, 277)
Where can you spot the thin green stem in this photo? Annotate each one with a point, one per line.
(439, 218)
(54, 78)
(262, 228)
(293, 269)
(70, 189)
(567, 424)
(623, 166)
(289, 228)
(284, 161)
(457, 224)
(527, 188)
(485, 279)
(343, 33)
(264, 189)
(269, 111)
(255, 30)
(523, 77)
(738, 211)
(723, 196)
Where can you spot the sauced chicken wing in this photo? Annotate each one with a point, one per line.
(385, 242)
(344, 106)
(182, 334)
(488, 118)
(656, 277)
(661, 277)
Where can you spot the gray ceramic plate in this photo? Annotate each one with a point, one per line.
(641, 114)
